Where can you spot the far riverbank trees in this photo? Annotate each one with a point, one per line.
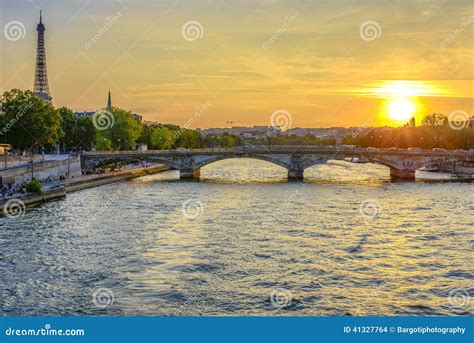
(29, 124)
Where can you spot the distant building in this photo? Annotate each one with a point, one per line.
(140, 147)
(149, 122)
(137, 117)
(330, 132)
(257, 132)
(85, 114)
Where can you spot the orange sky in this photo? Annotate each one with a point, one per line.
(327, 63)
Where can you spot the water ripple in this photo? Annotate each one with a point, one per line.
(257, 234)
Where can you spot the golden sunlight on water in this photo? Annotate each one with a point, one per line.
(223, 246)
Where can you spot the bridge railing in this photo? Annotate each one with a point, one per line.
(294, 149)
(144, 152)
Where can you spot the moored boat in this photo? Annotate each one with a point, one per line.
(431, 169)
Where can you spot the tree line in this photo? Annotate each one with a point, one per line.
(29, 124)
(435, 131)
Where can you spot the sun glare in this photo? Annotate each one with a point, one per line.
(401, 109)
(402, 89)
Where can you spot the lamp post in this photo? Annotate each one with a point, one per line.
(32, 164)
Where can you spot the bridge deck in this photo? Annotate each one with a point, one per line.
(289, 150)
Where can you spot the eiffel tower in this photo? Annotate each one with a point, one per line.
(41, 87)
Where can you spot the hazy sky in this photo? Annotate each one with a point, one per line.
(312, 59)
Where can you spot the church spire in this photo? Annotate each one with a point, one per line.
(109, 103)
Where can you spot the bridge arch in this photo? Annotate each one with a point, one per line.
(255, 157)
(311, 161)
(241, 169)
(194, 169)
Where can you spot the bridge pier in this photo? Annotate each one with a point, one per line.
(190, 174)
(407, 175)
(295, 174)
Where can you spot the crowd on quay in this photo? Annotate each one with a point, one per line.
(12, 190)
(9, 189)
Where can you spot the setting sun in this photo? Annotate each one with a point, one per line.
(401, 109)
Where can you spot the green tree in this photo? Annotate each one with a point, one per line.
(122, 130)
(162, 138)
(188, 139)
(226, 141)
(145, 135)
(85, 133)
(411, 122)
(434, 119)
(103, 143)
(27, 122)
(79, 132)
(68, 126)
(34, 186)
(211, 140)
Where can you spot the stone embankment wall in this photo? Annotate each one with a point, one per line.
(44, 169)
(16, 205)
(17, 160)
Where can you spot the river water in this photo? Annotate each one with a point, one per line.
(244, 241)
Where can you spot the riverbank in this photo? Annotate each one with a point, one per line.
(89, 181)
(53, 168)
(17, 204)
(21, 201)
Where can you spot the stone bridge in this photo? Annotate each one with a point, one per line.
(402, 163)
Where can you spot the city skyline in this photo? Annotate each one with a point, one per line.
(169, 64)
